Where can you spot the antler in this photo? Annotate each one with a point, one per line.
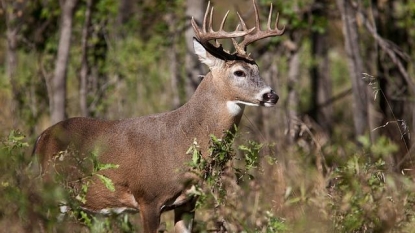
(258, 33)
(207, 33)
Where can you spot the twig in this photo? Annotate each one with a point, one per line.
(382, 126)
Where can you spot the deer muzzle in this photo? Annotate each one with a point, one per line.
(269, 99)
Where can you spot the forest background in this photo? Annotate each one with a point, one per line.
(336, 152)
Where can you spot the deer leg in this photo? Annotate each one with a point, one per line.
(183, 217)
(150, 218)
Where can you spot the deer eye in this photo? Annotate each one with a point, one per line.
(239, 73)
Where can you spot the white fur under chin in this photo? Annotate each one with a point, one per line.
(236, 107)
(269, 104)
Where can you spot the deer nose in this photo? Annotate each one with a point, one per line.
(271, 97)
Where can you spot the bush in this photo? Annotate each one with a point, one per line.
(28, 204)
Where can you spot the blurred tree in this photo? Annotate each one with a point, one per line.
(392, 86)
(173, 55)
(125, 11)
(360, 97)
(194, 69)
(392, 29)
(85, 69)
(321, 83)
(58, 108)
(293, 98)
(103, 35)
(13, 18)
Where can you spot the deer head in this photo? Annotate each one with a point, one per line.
(238, 71)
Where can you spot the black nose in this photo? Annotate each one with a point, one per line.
(271, 97)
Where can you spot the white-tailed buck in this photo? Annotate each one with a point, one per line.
(150, 151)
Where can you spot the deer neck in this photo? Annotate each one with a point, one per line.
(209, 111)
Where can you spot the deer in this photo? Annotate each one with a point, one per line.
(151, 176)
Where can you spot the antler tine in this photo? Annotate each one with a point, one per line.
(275, 30)
(242, 22)
(276, 24)
(258, 33)
(207, 33)
(223, 21)
(270, 18)
(205, 17)
(210, 29)
(257, 22)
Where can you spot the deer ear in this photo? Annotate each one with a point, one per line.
(204, 56)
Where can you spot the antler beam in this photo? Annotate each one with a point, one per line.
(257, 33)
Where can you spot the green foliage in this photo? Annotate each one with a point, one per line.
(27, 202)
(22, 206)
(9, 159)
(293, 14)
(383, 148)
(275, 224)
(77, 184)
(251, 154)
(358, 195)
(363, 195)
(107, 182)
(223, 169)
(142, 67)
(14, 142)
(366, 195)
(212, 167)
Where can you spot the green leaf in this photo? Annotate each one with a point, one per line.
(107, 166)
(85, 218)
(107, 182)
(195, 157)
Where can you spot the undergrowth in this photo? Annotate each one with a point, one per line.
(360, 194)
(30, 205)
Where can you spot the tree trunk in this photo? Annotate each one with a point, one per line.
(320, 77)
(12, 9)
(193, 66)
(173, 59)
(84, 72)
(293, 99)
(59, 78)
(125, 10)
(355, 63)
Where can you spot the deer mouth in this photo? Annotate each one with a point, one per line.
(269, 99)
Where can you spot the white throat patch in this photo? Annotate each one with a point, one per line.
(234, 108)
